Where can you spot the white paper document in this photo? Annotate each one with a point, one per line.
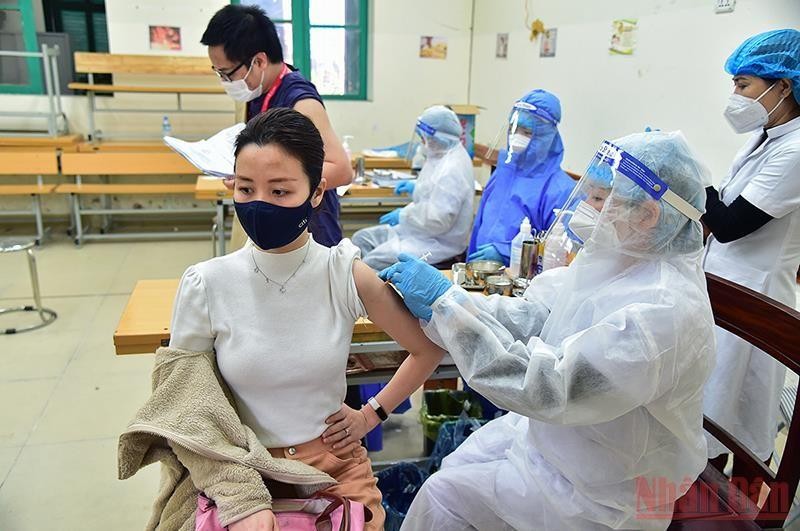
(213, 156)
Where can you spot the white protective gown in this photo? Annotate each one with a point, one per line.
(602, 365)
(437, 221)
(743, 393)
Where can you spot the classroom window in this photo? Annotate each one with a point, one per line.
(326, 40)
(19, 75)
(83, 20)
(85, 23)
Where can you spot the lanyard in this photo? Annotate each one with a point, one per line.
(274, 88)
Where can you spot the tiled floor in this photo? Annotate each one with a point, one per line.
(66, 397)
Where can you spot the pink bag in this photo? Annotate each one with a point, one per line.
(296, 514)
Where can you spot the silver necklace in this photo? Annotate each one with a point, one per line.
(268, 280)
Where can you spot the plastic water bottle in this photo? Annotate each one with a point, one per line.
(166, 128)
(516, 247)
(556, 249)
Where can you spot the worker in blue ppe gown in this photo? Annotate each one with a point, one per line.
(439, 218)
(528, 181)
(601, 364)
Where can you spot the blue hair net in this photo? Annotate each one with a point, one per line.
(771, 55)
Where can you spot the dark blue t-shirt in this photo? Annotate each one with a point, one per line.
(324, 224)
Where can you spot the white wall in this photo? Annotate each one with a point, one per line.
(401, 84)
(129, 21)
(675, 80)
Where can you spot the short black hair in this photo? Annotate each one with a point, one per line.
(293, 132)
(243, 31)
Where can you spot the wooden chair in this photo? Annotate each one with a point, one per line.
(714, 501)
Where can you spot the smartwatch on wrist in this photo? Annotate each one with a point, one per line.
(373, 403)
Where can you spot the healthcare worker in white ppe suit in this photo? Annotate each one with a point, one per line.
(602, 363)
(439, 219)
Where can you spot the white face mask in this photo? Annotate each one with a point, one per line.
(583, 221)
(518, 142)
(747, 114)
(239, 91)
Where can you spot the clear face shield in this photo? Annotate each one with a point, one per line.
(425, 141)
(621, 205)
(518, 134)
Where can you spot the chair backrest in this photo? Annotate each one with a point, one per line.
(114, 63)
(775, 329)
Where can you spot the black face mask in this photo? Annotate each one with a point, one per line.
(272, 226)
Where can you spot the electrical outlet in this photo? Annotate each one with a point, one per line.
(724, 6)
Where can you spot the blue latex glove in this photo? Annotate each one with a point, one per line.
(392, 218)
(419, 282)
(405, 187)
(486, 251)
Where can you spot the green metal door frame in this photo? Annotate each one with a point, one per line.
(34, 85)
(301, 41)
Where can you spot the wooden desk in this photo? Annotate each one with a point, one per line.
(211, 189)
(145, 146)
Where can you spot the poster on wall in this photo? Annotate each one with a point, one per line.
(433, 47)
(501, 48)
(165, 38)
(623, 37)
(548, 46)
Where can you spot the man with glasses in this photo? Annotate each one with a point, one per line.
(247, 55)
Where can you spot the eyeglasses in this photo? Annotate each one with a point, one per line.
(226, 76)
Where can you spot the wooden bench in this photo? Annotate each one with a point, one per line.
(108, 161)
(199, 68)
(33, 162)
(30, 143)
(714, 501)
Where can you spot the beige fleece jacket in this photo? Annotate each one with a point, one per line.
(190, 425)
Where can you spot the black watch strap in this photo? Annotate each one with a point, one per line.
(373, 403)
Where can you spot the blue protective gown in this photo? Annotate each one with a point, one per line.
(513, 193)
(530, 185)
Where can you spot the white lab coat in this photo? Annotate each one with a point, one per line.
(603, 365)
(438, 220)
(743, 393)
